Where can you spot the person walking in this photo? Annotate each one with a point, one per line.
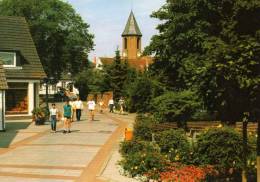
(111, 105)
(121, 103)
(73, 105)
(53, 117)
(79, 107)
(101, 105)
(67, 117)
(91, 108)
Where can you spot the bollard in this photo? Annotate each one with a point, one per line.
(128, 134)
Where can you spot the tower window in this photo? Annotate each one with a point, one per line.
(125, 43)
(138, 43)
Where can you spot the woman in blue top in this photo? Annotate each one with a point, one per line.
(67, 117)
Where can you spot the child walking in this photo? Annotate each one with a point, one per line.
(91, 108)
(53, 117)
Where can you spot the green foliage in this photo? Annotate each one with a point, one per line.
(222, 148)
(90, 80)
(140, 162)
(212, 46)
(143, 128)
(175, 106)
(132, 146)
(81, 83)
(38, 112)
(174, 144)
(204, 115)
(141, 92)
(116, 75)
(229, 83)
(61, 37)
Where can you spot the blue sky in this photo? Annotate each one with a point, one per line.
(107, 19)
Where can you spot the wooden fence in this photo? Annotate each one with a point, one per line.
(196, 126)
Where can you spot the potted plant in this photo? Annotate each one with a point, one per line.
(38, 116)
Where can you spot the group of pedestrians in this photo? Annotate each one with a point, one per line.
(70, 110)
(73, 109)
(121, 104)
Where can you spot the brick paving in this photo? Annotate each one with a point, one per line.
(30, 153)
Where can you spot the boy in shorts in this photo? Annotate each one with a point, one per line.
(67, 117)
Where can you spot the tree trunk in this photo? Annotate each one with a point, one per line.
(244, 172)
(258, 151)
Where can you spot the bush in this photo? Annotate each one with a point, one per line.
(222, 148)
(143, 127)
(251, 160)
(174, 144)
(175, 106)
(142, 159)
(134, 146)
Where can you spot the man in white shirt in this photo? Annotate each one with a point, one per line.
(111, 105)
(91, 107)
(79, 106)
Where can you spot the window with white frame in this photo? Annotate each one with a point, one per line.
(8, 59)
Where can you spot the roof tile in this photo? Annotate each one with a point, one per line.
(15, 36)
(131, 27)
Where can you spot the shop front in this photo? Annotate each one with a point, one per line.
(21, 98)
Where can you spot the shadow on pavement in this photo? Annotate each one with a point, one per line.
(12, 128)
(72, 131)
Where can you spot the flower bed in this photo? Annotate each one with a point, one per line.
(168, 156)
(187, 173)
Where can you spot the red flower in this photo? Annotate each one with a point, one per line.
(185, 173)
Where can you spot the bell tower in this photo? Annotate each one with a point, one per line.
(131, 39)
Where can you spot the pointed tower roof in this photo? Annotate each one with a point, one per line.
(131, 27)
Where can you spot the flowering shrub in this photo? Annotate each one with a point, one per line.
(170, 158)
(143, 161)
(133, 146)
(174, 144)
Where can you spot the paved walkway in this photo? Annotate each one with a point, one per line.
(30, 153)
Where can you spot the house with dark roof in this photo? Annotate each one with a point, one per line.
(22, 66)
(131, 47)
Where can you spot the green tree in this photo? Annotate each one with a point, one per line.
(61, 37)
(175, 107)
(141, 92)
(91, 81)
(116, 74)
(213, 48)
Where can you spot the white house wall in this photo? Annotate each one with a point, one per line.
(2, 110)
(60, 84)
(30, 97)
